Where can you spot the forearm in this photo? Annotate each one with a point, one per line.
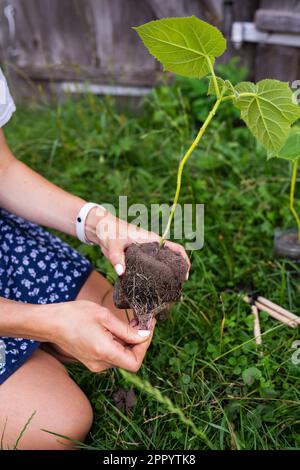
(30, 321)
(25, 193)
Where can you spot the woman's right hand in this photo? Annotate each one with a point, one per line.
(97, 338)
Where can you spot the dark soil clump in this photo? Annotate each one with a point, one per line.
(152, 281)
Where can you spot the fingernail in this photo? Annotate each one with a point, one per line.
(187, 276)
(143, 333)
(119, 269)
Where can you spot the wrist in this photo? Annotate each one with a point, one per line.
(37, 322)
(94, 218)
(48, 318)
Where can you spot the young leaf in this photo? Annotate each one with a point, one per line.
(250, 375)
(268, 110)
(291, 149)
(186, 46)
(225, 87)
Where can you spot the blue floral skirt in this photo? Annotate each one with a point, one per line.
(38, 268)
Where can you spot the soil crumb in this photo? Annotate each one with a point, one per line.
(125, 399)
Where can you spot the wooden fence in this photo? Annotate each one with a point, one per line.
(50, 42)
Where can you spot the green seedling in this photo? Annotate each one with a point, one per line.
(189, 47)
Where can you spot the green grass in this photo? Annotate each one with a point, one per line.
(197, 397)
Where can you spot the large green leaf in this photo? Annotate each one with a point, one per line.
(268, 110)
(186, 46)
(291, 148)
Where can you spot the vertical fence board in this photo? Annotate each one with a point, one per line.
(236, 10)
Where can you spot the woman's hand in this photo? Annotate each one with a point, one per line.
(113, 235)
(97, 338)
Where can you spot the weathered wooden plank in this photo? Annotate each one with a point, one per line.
(90, 40)
(118, 47)
(211, 10)
(288, 5)
(57, 73)
(237, 10)
(264, 61)
(46, 32)
(280, 21)
(244, 10)
(276, 62)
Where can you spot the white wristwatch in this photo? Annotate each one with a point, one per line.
(81, 219)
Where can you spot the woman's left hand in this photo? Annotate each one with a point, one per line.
(113, 235)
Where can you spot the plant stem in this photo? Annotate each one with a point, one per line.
(241, 95)
(183, 162)
(292, 195)
(213, 111)
(214, 78)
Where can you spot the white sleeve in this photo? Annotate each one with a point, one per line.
(7, 105)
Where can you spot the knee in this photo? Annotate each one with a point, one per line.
(62, 426)
(76, 421)
(61, 408)
(82, 420)
(57, 427)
